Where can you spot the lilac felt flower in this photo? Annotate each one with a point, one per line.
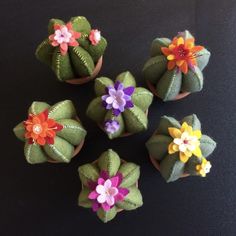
(111, 126)
(118, 98)
(106, 191)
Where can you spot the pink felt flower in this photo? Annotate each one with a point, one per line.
(95, 36)
(64, 36)
(106, 192)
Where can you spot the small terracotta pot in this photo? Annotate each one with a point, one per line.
(178, 97)
(84, 80)
(156, 164)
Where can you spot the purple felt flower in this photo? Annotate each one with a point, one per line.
(111, 126)
(106, 191)
(118, 98)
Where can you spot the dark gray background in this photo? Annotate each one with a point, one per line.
(42, 199)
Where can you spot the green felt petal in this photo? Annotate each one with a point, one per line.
(142, 98)
(87, 173)
(190, 166)
(62, 110)
(80, 24)
(38, 107)
(127, 79)
(83, 198)
(203, 58)
(192, 81)
(60, 151)
(157, 44)
(132, 201)
(51, 24)
(154, 68)
(61, 65)
(135, 120)
(34, 154)
(171, 167)
(187, 34)
(207, 145)
(19, 131)
(82, 61)
(119, 118)
(44, 52)
(193, 121)
(109, 161)
(96, 111)
(169, 85)
(101, 84)
(157, 146)
(106, 216)
(73, 132)
(165, 123)
(130, 173)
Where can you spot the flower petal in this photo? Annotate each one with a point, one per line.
(197, 152)
(93, 195)
(174, 132)
(129, 90)
(100, 189)
(183, 157)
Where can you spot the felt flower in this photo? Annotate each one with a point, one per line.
(40, 129)
(185, 141)
(106, 191)
(111, 126)
(181, 53)
(118, 98)
(203, 168)
(95, 36)
(64, 36)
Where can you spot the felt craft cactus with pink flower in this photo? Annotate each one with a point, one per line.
(72, 49)
(120, 107)
(109, 185)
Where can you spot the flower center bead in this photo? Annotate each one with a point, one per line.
(180, 52)
(37, 129)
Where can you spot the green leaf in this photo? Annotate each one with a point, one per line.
(157, 44)
(88, 173)
(165, 123)
(51, 24)
(34, 154)
(96, 111)
(187, 34)
(60, 151)
(207, 145)
(135, 120)
(62, 110)
(142, 98)
(82, 61)
(193, 121)
(171, 167)
(44, 52)
(106, 216)
(109, 161)
(132, 201)
(157, 146)
(203, 58)
(19, 131)
(38, 107)
(101, 84)
(83, 198)
(80, 24)
(73, 132)
(130, 173)
(192, 81)
(61, 65)
(154, 68)
(127, 79)
(169, 85)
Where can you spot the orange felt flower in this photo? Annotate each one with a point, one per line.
(181, 53)
(40, 129)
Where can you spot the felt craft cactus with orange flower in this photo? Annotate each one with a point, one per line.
(175, 67)
(180, 149)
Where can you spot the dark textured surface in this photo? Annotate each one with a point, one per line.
(42, 199)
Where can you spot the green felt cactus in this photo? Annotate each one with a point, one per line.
(109, 185)
(51, 133)
(175, 67)
(72, 50)
(120, 107)
(179, 149)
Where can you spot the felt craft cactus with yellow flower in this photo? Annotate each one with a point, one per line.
(179, 148)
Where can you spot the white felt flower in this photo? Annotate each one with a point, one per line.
(62, 35)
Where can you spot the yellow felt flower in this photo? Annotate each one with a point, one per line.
(203, 168)
(185, 141)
